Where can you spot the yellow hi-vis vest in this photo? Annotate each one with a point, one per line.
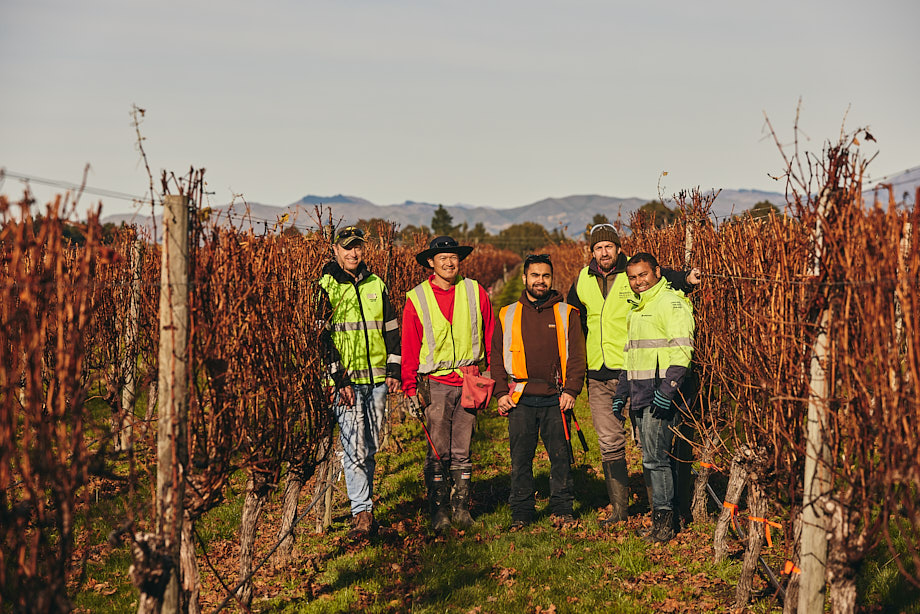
(513, 344)
(447, 346)
(357, 327)
(661, 329)
(606, 319)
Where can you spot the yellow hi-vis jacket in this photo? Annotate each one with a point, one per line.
(357, 325)
(660, 343)
(447, 346)
(606, 319)
(513, 344)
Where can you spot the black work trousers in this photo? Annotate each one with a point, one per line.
(528, 420)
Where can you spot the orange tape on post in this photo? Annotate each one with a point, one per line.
(709, 466)
(791, 568)
(732, 506)
(767, 525)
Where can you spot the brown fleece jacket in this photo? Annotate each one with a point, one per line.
(538, 331)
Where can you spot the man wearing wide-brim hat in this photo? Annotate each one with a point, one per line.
(447, 322)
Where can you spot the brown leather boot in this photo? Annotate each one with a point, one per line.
(365, 525)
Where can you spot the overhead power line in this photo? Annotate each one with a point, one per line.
(66, 185)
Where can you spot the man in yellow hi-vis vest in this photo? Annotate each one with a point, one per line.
(363, 358)
(538, 364)
(602, 295)
(659, 347)
(447, 322)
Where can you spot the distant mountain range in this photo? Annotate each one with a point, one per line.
(571, 214)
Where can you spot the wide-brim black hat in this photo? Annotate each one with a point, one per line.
(442, 245)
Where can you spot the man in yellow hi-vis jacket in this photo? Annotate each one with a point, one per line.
(659, 347)
(602, 295)
(363, 356)
(538, 364)
(447, 324)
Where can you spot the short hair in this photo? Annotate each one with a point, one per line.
(537, 259)
(643, 257)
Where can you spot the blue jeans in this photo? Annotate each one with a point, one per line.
(657, 438)
(359, 432)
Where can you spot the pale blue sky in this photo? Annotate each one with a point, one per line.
(487, 103)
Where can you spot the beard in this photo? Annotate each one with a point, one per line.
(606, 267)
(538, 292)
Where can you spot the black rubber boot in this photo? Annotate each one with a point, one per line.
(615, 475)
(438, 497)
(460, 498)
(662, 527)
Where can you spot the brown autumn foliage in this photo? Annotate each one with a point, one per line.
(257, 403)
(51, 320)
(768, 284)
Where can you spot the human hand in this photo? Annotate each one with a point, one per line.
(662, 407)
(414, 407)
(505, 405)
(392, 384)
(566, 402)
(347, 396)
(618, 406)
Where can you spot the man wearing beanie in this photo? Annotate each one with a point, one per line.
(602, 293)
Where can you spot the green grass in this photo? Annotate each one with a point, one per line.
(488, 567)
(485, 569)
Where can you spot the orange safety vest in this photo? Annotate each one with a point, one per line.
(513, 344)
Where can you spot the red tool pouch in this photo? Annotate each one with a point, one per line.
(477, 389)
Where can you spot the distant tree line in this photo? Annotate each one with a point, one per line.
(525, 237)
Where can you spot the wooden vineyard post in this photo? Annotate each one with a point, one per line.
(173, 389)
(817, 485)
(737, 477)
(903, 251)
(125, 437)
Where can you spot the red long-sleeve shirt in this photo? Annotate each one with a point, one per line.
(412, 336)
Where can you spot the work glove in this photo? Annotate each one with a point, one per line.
(415, 408)
(618, 406)
(662, 407)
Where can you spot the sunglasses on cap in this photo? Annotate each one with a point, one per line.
(349, 232)
(604, 225)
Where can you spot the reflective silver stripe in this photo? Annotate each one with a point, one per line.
(564, 318)
(644, 374)
(367, 373)
(393, 359)
(353, 326)
(447, 364)
(472, 298)
(425, 318)
(507, 326)
(642, 344)
(391, 325)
